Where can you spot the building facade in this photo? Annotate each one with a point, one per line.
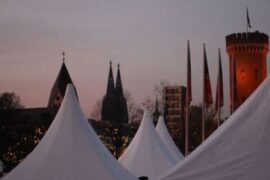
(247, 60)
(174, 98)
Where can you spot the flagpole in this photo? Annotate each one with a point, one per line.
(203, 118)
(187, 124)
(203, 107)
(203, 122)
(207, 93)
(247, 20)
(232, 81)
(218, 86)
(187, 102)
(218, 116)
(247, 29)
(218, 102)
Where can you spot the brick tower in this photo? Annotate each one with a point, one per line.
(247, 60)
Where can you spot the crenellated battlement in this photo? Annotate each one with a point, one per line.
(255, 42)
(244, 38)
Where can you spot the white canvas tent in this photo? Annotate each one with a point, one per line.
(167, 139)
(238, 150)
(146, 155)
(69, 150)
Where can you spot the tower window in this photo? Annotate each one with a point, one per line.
(256, 73)
(243, 73)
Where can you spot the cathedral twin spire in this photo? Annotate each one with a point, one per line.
(114, 106)
(117, 87)
(110, 85)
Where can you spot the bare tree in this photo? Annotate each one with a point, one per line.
(158, 88)
(96, 111)
(159, 93)
(10, 101)
(149, 104)
(134, 111)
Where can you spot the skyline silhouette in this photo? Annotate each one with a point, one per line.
(148, 39)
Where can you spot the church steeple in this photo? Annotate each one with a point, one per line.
(64, 58)
(59, 87)
(118, 86)
(110, 85)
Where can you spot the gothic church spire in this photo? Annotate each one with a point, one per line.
(114, 106)
(118, 85)
(110, 85)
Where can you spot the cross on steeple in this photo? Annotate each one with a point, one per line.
(63, 54)
(110, 85)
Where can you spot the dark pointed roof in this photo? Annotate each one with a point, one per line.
(62, 80)
(119, 87)
(110, 85)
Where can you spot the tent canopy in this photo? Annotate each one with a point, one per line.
(167, 139)
(146, 155)
(239, 149)
(70, 150)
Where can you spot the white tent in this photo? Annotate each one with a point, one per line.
(69, 150)
(146, 155)
(167, 139)
(238, 150)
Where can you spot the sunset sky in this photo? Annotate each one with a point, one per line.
(147, 37)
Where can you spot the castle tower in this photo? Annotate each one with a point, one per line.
(59, 87)
(247, 60)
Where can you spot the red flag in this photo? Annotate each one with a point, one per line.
(189, 90)
(207, 92)
(219, 92)
(248, 20)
